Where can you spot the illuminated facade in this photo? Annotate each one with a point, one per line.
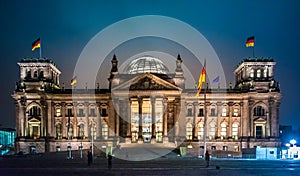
(146, 104)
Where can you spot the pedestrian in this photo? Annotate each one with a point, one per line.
(207, 158)
(109, 161)
(90, 158)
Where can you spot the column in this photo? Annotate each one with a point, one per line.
(219, 115)
(117, 117)
(49, 117)
(195, 104)
(230, 119)
(75, 123)
(87, 130)
(140, 101)
(128, 133)
(245, 119)
(165, 117)
(99, 129)
(64, 121)
(176, 117)
(153, 116)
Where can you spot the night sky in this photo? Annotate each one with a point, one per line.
(65, 27)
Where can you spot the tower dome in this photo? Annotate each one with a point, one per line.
(146, 64)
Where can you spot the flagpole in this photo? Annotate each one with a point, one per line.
(205, 119)
(40, 48)
(253, 51)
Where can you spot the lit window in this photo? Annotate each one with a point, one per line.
(189, 131)
(223, 130)
(235, 112)
(58, 131)
(81, 131)
(224, 113)
(235, 129)
(265, 73)
(258, 73)
(58, 112)
(213, 148)
(225, 148)
(104, 131)
(212, 131)
(200, 131)
(251, 73)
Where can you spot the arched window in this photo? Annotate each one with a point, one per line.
(212, 131)
(258, 73)
(235, 112)
(251, 73)
(35, 74)
(93, 128)
(58, 112)
(190, 111)
(70, 131)
(189, 131)
(35, 111)
(259, 111)
(223, 130)
(235, 129)
(81, 131)
(265, 74)
(200, 131)
(58, 131)
(41, 74)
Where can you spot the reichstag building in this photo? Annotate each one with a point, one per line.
(146, 103)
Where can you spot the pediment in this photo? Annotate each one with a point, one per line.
(146, 81)
(260, 120)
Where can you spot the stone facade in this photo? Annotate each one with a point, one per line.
(146, 107)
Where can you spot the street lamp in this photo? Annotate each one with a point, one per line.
(293, 142)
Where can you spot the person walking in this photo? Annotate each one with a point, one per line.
(90, 158)
(109, 161)
(207, 158)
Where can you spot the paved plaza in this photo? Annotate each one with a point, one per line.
(57, 164)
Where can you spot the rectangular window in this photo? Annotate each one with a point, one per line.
(213, 147)
(92, 113)
(190, 112)
(69, 112)
(103, 112)
(224, 113)
(80, 113)
(258, 131)
(225, 148)
(235, 112)
(212, 112)
(58, 112)
(201, 112)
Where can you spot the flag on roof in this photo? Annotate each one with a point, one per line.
(202, 79)
(36, 44)
(74, 81)
(250, 42)
(217, 79)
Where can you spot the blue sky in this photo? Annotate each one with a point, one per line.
(67, 26)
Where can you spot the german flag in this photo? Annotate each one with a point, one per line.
(202, 79)
(74, 81)
(36, 44)
(250, 42)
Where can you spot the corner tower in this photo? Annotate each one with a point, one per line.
(37, 75)
(256, 74)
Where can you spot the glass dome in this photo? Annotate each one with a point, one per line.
(146, 64)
